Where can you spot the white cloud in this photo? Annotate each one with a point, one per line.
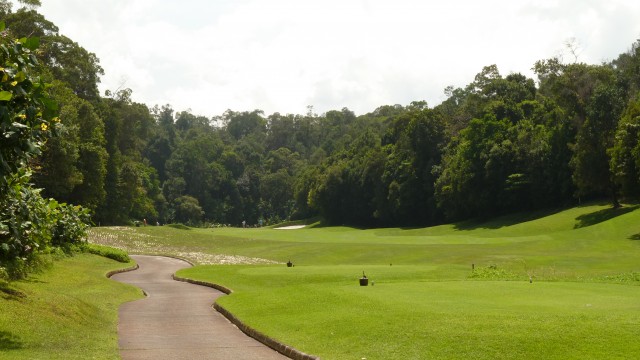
(282, 55)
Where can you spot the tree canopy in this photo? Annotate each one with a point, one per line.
(501, 144)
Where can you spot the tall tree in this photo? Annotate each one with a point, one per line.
(590, 162)
(417, 140)
(92, 160)
(131, 185)
(625, 154)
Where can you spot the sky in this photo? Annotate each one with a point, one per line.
(207, 56)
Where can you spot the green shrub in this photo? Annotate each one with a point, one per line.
(31, 225)
(108, 252)
(70, 225)
(4, 276)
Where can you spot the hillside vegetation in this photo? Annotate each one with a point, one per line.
(503, 143)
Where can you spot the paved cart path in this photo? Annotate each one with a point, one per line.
(176, 319)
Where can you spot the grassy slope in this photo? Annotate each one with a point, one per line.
(67, 312)
(582, 304)
(542, 246)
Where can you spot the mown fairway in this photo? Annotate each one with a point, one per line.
(427, 302)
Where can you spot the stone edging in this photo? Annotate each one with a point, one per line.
(113, 272)
(203, 283)
(275, 345)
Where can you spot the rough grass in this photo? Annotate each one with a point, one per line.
(67, 312)
(169, 241)
(427, 302)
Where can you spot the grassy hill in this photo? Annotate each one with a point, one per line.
(69, 311)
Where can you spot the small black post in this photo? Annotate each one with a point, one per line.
(363, 280)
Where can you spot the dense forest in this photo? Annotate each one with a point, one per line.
(501, 144)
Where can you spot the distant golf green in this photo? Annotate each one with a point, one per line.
(549, 285)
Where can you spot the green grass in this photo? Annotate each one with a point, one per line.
(68, 311)
(322, 311)
(427, 303)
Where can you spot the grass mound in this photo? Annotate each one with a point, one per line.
(179, 226)
(69, 311)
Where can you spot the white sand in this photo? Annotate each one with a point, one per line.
(293, 227)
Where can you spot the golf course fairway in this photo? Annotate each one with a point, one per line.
(556, 285)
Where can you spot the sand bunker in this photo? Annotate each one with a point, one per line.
(292, 227)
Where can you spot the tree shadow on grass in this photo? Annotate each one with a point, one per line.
(634, 237)
(7, 293)
(504, 220)
(324, 224)
(8, 341)
(602, 216)
(33, 280)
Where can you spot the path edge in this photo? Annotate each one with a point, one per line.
(114, 272)
(272, 343)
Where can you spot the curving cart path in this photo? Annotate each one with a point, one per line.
(176, 319)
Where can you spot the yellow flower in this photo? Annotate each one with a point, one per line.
(22, 116)
(44, 127)
(56, 119)
(14, 83)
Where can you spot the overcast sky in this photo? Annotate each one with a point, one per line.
(283, 55)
